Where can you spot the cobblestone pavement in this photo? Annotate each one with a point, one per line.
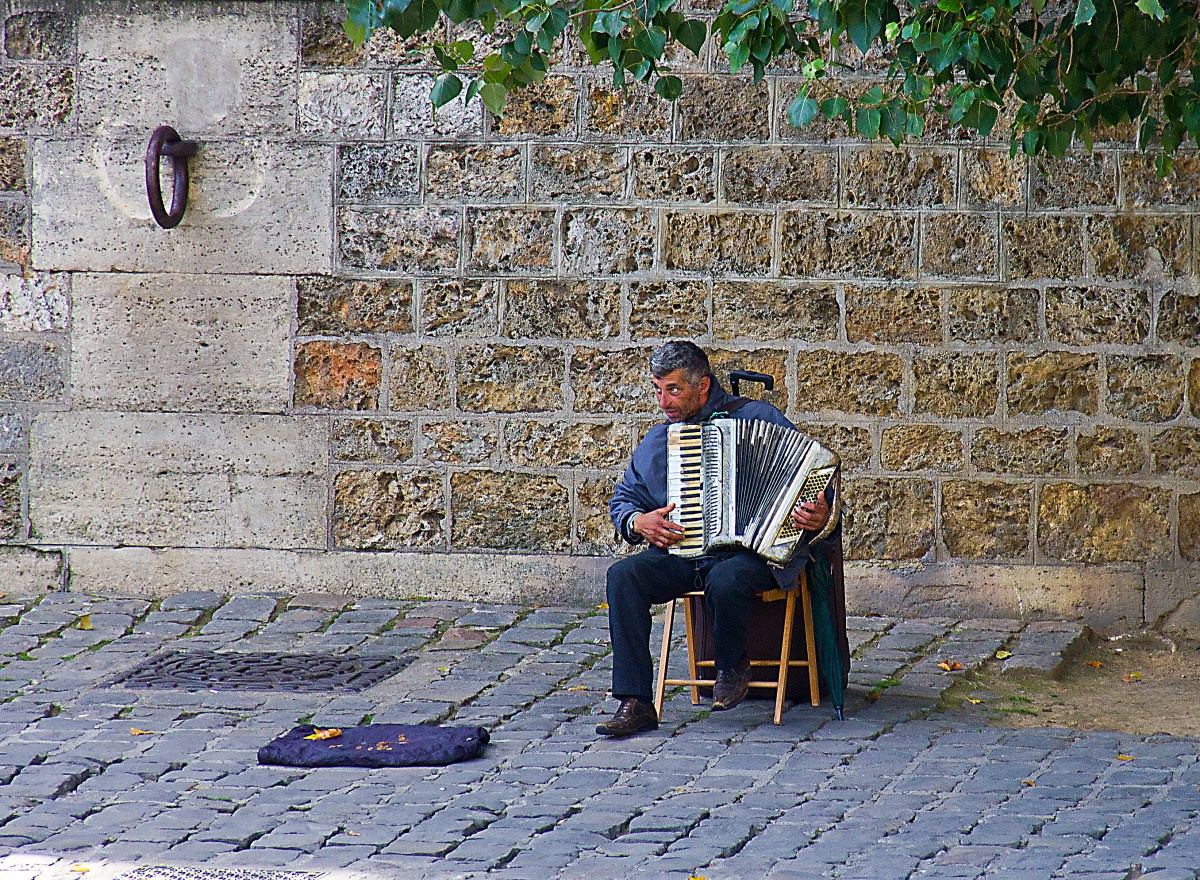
(106, 782)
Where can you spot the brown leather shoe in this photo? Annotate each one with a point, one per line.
(633, 716)
(731, 685)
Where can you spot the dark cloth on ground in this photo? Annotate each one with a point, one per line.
(377, 745)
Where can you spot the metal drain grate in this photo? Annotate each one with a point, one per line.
(304, 673)
(171, 873)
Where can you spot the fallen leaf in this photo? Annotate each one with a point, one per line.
(1095, 664)
(974, 702)
(1132, 678)
(80, 869)
(950, 666)
(443, 669)
(85, 622)
(603, 606)
(352, 833)
(324, 733)
(578, 687)
(1029, 782)
(1003, 655)
(1124, 757)
(137, 731)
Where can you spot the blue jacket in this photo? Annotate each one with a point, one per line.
(644, 485)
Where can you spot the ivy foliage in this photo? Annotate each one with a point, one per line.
(1056, 71)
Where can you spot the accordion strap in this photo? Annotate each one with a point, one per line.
(734, 404)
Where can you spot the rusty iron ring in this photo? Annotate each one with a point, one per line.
(166, 142)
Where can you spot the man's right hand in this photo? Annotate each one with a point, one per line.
(657, 529)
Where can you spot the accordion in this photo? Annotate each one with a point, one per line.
(735, 482)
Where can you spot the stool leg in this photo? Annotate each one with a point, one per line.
(660, 686)
(810, 641)
(785, 655)
(690, 623)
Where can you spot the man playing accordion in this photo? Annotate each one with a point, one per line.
(687, 391)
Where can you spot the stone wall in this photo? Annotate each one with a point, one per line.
(395, 352)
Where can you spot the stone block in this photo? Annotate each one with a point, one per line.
(674, 175)
(1108, 451)
(323, 40)
(491, 173)
(256, 207)
(724, 108)
(1119, 522)
(608, 241)
(612, 380)
(509, 511)
(1038, 246)
(771, 361)
(458, 442)
(993, 314)
(509, 378)
(921, 448)
(389, 510)
(721, 243)
(1143, 188)
(167, 479)
(564, 309)
(851, 443)
(375, 441)
(218, 74)
(884, 177)
(864, 383)
(181, 342)
(870, 245)
(35, 303)
(13, 176)
(771, 310)
(1092, 315)
(820, 130)
(1189, 527)
(1075, 181)
(510, 239)
(413, 115)
(32, 573)
(1193, 387)
(14, 237)
(991, 179)
(341, 306)
(577, 172)
(1053, 381)
(11, 526)
(960, 246)
(636, 113)
(1145, 388)
(546, 109)
(36, 97)
(987, 520)
(338, 375)
(378, 173)
(780, 175)
(560, 445)
(341, 105)
(12, 434)
(1141, 247)
(1179, 318)
(40, 35)
(419, 378)
(460, 307)
(594, 531)
(1172, 605)
(956, 384)
(893, 314)
(407, 240)
(32, 370)
(662, 309)
(889, 518)
(1176, 452)
(1033, 451)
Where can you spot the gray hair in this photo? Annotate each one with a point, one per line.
(679, 354)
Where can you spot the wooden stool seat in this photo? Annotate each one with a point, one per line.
(783, 664)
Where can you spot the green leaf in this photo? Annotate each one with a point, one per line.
(831, 108)
(355, 31)
(1084, 12)
(692, 35)
(445, 89)
(949, 6)
(802, 110)
(866, 120)
(670, 87)
(494, 97)
(863, 22)
(1153, 8)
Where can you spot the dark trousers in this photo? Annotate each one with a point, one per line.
(636, 583)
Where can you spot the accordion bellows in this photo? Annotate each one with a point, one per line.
(735, 482)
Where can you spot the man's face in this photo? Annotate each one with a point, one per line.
(679, 399)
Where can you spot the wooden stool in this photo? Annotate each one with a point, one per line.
(783, 663)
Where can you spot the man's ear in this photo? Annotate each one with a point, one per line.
(705, 385)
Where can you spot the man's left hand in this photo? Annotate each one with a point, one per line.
(813, 515)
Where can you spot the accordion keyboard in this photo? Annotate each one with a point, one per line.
(685, 482)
